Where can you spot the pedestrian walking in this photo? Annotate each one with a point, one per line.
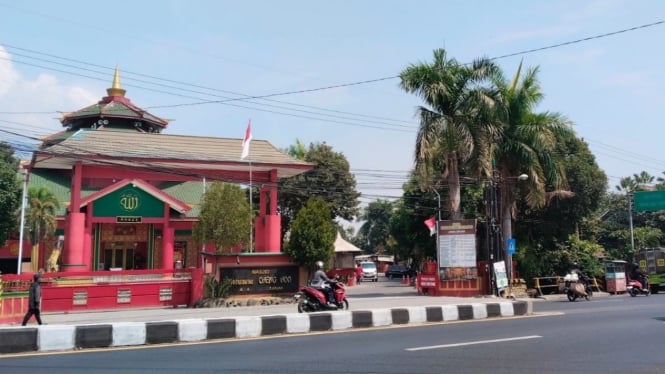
(359, 273)
(34, 300)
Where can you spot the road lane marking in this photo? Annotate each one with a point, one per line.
(473, 343)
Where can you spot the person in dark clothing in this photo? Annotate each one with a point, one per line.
(34, 300)
(639, 275)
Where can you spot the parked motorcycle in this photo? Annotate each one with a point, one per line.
(634, 287)
(310, 299)
(575, 287)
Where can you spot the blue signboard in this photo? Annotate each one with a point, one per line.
(510, 246)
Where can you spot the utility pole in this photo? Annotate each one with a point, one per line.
(493, 230)
(24, 172)
(629, 196)
(438, 219)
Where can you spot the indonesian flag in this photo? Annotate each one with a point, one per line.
(246, 140)
(431, 225)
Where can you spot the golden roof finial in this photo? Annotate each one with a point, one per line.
(115, 89)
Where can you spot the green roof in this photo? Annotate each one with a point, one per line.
(59, 184)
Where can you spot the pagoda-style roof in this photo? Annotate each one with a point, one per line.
(191, 157)
(115, 134)
(113, 111)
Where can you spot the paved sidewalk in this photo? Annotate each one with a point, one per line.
(366, 296)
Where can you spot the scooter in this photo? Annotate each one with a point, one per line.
(574, 288)
(634, 287)
(310, 299)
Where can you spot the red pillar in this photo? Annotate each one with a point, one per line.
(273, 223)
(196, 293)
(72, 257)
(88, 239)
(168, 236)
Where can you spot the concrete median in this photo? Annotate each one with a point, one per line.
(66, 337)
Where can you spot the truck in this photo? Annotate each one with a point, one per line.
(652, 260)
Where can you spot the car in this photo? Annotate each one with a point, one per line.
(399, 271)
(369, 271)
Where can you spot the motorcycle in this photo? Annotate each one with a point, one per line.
(311, 299)
(634, 287)
(575, 288)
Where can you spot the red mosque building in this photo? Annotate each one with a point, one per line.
(130, 194)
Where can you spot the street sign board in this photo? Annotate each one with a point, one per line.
(649, 200)
(510, 246)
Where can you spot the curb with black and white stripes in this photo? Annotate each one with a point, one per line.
(46, 338)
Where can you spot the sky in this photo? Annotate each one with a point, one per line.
(329, 70)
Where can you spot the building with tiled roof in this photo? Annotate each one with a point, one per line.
(130, 194)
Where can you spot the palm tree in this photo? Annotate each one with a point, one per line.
(453, 130)
(297, 150)
(40, 219)
(627, 185)
(526, 145)
(644, 180)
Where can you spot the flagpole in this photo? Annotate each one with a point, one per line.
(243, 155)
(251, 210)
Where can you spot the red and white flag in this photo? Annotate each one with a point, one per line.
(246, 140)
(431, 225)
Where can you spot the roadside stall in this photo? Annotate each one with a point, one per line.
(615, 276)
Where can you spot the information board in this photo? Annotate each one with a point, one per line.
(457, 243)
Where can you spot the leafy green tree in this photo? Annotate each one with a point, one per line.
(647, 237)
(552, 224)
(10, 192)
(312, 236)
(413, 242)
(225, 218)
(454, 127)
(40, 219)
(329, 180)
(587, 255)
(376, 226)
(297, 150)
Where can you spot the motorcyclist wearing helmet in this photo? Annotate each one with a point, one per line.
(319, 281)
(638, 274)
(575, 269)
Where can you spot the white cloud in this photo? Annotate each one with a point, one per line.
(8, 76)
(43, 93)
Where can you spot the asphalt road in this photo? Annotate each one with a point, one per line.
(609, 335)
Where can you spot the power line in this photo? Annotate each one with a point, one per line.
(367, 81)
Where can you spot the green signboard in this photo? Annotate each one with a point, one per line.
(128, 201)
(649, 200)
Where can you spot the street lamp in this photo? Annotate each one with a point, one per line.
(496, 236)
(438, 245)
(629, 197)
(509, 255)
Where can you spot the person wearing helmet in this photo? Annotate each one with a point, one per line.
(319, 281)
(638, 274)
(575, 269)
